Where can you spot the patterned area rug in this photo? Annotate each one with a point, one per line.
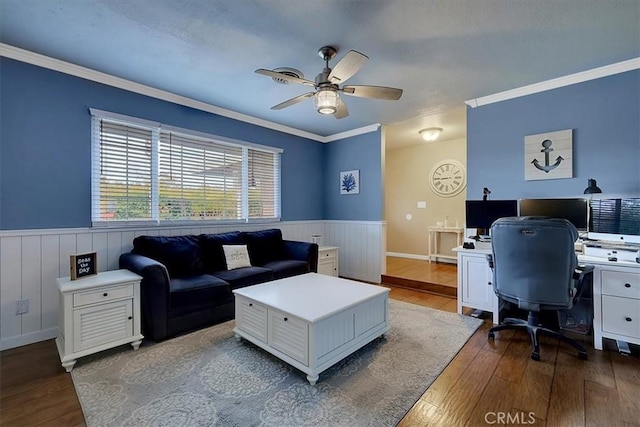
(208, 378)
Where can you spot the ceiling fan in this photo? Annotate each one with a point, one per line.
(327, 84)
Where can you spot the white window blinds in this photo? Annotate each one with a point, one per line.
(199, 179)
(263, 182)
(122, 172)
(143, 173)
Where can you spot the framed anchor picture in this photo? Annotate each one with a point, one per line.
(548, 155)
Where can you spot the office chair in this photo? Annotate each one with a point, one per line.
(535, 267)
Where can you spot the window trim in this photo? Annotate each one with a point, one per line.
(156, 129)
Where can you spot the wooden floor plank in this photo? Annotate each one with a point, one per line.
(602, 407)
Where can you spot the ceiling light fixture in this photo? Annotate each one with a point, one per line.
(326, 100)
(430, 134)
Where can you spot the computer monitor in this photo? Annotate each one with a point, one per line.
(480, 214)
(615, 220)
(575, 211)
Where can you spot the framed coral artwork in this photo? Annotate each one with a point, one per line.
(350, 182)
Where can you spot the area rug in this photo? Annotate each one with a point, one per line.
(208, 378)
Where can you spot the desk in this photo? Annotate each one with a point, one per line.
(432, 240)
(616, 293)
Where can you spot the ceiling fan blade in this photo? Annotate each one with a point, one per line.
(377, 92)
(293, 101)
(347, 66)
(282, 76)
(341, 110)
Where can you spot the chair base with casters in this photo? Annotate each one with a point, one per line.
(532, 326)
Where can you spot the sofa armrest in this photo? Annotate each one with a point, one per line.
(302, 251)
(154, 293)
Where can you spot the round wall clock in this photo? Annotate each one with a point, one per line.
(448, 178)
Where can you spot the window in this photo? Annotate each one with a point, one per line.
(145, 172)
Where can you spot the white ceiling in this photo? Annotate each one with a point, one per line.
(441, 53)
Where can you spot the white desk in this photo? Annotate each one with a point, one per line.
(616, 293)
(432, 240)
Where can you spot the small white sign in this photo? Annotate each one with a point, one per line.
(548, 155)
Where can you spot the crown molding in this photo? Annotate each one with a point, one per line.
(43, 61)
(583, 76)
(354, 132)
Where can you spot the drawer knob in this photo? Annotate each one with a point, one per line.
(489, 283)
(105, 294)
(628, 319)
(130, 317)
(627, 285)
(250, 304)
(285, 319)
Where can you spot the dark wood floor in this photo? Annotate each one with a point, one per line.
(486, 380)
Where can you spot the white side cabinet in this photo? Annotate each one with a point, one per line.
(616, 301)
(475, 287)
(328, 260)
(97, 313)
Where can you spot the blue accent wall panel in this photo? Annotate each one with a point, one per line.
(45, 146)
(605, 117)
(362, 152)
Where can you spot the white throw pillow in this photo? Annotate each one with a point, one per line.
(236, 256)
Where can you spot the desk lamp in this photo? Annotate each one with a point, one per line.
(592, 188)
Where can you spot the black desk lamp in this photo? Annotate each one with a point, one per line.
(592, 188)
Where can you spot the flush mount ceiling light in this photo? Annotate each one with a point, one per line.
(430, 134)
(326, 100)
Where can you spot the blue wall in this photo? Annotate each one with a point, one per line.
(362, 152)
(605, 117)
(45, 147)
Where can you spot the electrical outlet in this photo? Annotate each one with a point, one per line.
(22, 307)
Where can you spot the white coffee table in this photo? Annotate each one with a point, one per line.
(311, 321)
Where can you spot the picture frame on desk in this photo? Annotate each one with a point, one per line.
(83, 265)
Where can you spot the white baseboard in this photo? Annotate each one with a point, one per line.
(20, 340)
(420, 257)
(410, 256)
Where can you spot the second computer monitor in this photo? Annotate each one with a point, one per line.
(574, 210)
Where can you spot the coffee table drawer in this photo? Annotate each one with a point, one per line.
(251, 317)
(289, 335)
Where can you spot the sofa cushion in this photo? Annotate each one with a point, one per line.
(212, 254)
(199, 290)
(287, 268)
(236, 256)
(180, 254)
(246, 276)
(264, 246)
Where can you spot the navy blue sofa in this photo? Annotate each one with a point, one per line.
(185, 282)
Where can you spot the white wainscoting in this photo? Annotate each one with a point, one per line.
(31, 260)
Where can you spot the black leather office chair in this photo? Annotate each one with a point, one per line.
(535, 267)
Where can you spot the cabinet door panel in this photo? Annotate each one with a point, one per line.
(289, 335)
(251, 318)
(101, 324)
(477, 290)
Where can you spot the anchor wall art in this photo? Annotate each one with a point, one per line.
(548, 155)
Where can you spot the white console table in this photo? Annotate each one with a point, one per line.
(432, 240)
(616, 293)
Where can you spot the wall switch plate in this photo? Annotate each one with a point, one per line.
(22, 307)
(422, 205)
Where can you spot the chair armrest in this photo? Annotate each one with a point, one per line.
(581, 271)
(154, 292)
(490, 260)
(302, 251)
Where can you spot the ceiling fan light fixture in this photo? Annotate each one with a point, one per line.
(326, 101)
(430, 134)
